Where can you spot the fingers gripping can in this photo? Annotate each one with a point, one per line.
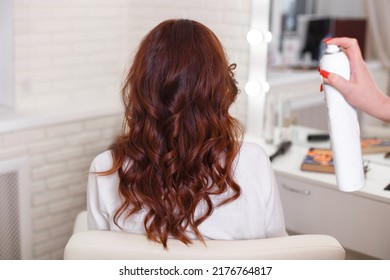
(343, 125)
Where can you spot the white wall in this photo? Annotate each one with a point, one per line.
(76, 51)
(70, 57)
(6, 55)
(337, 8)
(59, 158)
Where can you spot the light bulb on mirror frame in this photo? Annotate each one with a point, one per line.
(253, 88)
(256, 37)
(265, 87)
(268, 37)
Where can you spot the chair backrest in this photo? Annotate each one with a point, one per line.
(121, 245)
(106, 245)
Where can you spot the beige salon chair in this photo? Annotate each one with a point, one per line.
(105, 245)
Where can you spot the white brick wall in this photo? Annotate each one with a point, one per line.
(60, 156)
(69, 52)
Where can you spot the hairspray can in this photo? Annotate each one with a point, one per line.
(343, 125)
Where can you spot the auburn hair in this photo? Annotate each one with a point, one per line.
(178, 142)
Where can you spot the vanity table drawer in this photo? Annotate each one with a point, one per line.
(359, 223)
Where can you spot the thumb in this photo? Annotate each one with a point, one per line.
(339, 83)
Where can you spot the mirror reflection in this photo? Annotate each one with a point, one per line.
(299, 28)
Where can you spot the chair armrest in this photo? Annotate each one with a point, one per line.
(80, 223)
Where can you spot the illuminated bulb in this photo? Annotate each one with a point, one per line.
(265, 87)
(255, 37)
(268, 37)
(253, 88)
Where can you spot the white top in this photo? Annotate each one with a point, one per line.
(257, 213)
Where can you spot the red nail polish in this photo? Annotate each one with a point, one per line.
(321, 87)
(326, 40)
(318, 68)
(324, 73)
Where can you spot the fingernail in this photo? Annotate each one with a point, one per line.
(324, 73)
(327, 39)
(321, 87)
(318, 68)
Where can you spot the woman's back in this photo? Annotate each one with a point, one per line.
(257, 213)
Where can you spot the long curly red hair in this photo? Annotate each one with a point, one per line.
(179, 142)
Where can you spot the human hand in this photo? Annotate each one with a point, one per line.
(360, 91)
